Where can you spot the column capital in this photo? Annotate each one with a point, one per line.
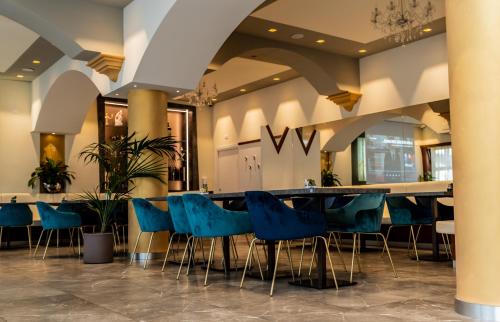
(345, 99)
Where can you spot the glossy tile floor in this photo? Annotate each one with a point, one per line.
(64, 289)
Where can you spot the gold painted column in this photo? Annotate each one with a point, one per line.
(474, 67)
(147, 116)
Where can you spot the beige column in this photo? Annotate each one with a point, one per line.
(474, 67)
(147, 116)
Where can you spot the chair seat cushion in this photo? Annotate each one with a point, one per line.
(445, 227)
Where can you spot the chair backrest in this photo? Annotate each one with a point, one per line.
(209, 220)
(15, 214)
(178, 214)
(150, 217)
(89, 217)
(369, 210)
(273, 220)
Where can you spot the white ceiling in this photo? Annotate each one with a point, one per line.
(15, 39)
(112, 3)
(348, 19)
(238, 72)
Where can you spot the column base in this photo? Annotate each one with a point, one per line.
(139, 257)
(480, 312)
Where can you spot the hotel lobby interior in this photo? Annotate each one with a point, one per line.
(256, 160)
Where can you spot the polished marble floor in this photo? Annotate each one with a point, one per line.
(64, 289)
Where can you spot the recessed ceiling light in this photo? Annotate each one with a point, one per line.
(214, 99)
(272, 30)
(135, 86)
(53, 133)
(116, 94)
(427, 29)
(243, 90)
(20, 76)
(320, 41)
(297, 36)
(362, 51)
(276, 79)
(28, 70)
(36, 61)
(177, 91)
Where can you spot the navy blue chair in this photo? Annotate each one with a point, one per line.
(207, 220)
(363, 215)
(405, 213)
(53, 219)
(16, 215)
(273, 220)
(151, 219)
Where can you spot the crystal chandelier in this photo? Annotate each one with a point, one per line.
(403, 20)
(203, 95)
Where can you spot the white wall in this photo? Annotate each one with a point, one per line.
(18, 150)
(206, 152)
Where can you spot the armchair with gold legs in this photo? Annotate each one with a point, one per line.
(361, 216)
(16, 215)
(275, 221)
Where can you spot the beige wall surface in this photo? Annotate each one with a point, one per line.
(19, 148)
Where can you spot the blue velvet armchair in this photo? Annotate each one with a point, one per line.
(363, 215)
(272, 220)
(180, 223)
(53, 219)
(16, 215)
(207, 220)
(403, 212)
(151, 219)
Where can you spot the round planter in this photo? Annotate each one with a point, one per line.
(98, 248)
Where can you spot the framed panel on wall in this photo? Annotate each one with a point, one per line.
(183, 170)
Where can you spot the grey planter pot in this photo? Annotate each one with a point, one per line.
(98, 248)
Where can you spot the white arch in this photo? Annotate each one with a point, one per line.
(176, 53)
(66, 104)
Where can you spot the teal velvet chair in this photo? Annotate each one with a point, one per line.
(207, 220)
(181, 226)
(405, 213)
(363, 215)
(53, 219)
(151, 219)
(273, 220)
(16, 215)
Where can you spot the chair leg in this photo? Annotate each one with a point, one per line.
(275, 267)
(57, 238)
(48, 242)
(71, 231)
(202, 251)
(289, 253)
(315, 242)
(38, 244)
(330, 260)
(184, 256)
(389, 254)
(149, 248)
(168, 251)
(28, 228)
(414, 242)
(301, 256)
(115, 244)
(191, 257)
(353, 254)
(1, 231)
(210, 256)
(135, 247)
(250, 252)
(80, 230)
(387, 238)
(124, 241)
(338, 250)
(358, 251)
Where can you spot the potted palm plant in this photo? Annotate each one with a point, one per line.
(329, 179)
(123, 161)
(52, 175)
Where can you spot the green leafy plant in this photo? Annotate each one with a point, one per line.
(125, 160)
(51, 173)
(427, 176)
(329, 179)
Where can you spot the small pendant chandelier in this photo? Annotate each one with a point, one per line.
(403, 20)
(203, 95)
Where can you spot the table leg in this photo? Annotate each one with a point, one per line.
(435, 239)
(321, 262)
(226, 247)
(271, 259)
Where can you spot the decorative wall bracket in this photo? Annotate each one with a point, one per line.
(345, 99)
(301, 139)
(277, 145)
(109, 65)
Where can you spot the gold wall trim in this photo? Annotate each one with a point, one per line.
(109, 65)
(345, 99)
